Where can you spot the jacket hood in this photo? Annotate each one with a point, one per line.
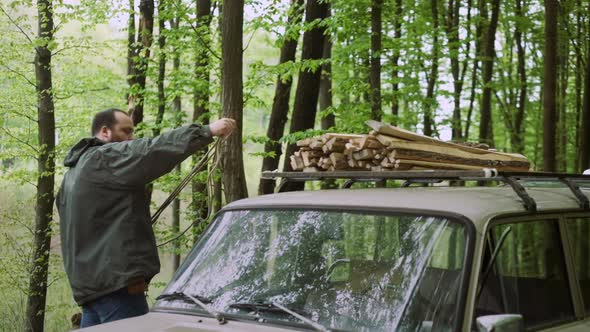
(78, 150)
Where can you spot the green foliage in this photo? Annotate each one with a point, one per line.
(89, 74)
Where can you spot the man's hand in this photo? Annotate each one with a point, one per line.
(222, 127)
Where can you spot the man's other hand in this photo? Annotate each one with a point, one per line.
(222, 127)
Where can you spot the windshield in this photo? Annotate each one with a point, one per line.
(344, 270)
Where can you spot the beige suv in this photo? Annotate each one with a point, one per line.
(510, 257)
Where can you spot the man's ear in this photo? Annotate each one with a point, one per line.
(105, 132)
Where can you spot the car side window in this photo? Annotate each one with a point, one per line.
(579, 235)
(528, 276)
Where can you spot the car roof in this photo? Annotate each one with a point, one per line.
(479, 204)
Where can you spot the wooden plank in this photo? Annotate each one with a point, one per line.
(437, 165)
(454, 151)
(342, 136)
(443, 158)
(396, 132)
(433, 165)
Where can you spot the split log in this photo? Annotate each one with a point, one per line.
(335, 144)
(296, 163)
(365, 154)
(338, 160)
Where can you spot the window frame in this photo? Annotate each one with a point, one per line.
(560, 216)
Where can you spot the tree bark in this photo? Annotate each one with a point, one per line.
(234, 178)
(325, 97)
(578, 87)
(306, 96)
(517, 135)
(201, 113)
(550, 86)
(161, 67)
(585, 136)
(486, 132)
(130, 47)
(177, 111)
(453, 44)
(375, 75)
(140, 60)
(476, 58)
(280, 106)
(397, 35)
(36, 299)
(563, 77)
(433, 76)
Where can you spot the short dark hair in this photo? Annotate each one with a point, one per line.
(105, 118)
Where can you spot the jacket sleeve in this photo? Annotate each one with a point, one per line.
(140, 161)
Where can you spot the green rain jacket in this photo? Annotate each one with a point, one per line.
(107, 238)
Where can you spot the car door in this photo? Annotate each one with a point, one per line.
(532, 271)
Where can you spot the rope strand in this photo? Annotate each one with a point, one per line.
(213, 155)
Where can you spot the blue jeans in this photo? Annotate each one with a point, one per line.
(112, 307)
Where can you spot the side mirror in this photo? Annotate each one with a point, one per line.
(500, 323)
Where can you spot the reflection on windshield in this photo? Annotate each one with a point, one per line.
(350, 271)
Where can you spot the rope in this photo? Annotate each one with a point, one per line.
(213, 155)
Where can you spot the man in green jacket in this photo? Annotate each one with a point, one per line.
(108, 244)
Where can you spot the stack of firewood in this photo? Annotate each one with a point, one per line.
(388, 148)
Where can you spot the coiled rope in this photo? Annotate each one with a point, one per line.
(212, 155)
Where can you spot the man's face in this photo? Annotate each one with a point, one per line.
(122, 129)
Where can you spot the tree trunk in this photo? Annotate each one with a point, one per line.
(476, 58)
(578, 88)
(177, 111)
(161, 67)
(306, 96)
(517, 136)
(585, 136)
(201, 113)
(45, 166)
(550, 86)
(140, 60)
(563, 76)
(486, 132)
(453, 42)
(280, 106)
(325, 97)
(397, 35)
(375, 75)
(433, 76)
(130, 48)
(234, 178)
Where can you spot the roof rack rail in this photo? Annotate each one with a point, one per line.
(433, 176)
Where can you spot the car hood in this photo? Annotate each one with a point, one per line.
(156, 321)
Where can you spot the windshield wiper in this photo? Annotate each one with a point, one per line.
(317, 326)
(182, 296)
(275, 307)
(198, 300)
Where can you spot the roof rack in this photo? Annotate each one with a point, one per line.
(434, 176)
